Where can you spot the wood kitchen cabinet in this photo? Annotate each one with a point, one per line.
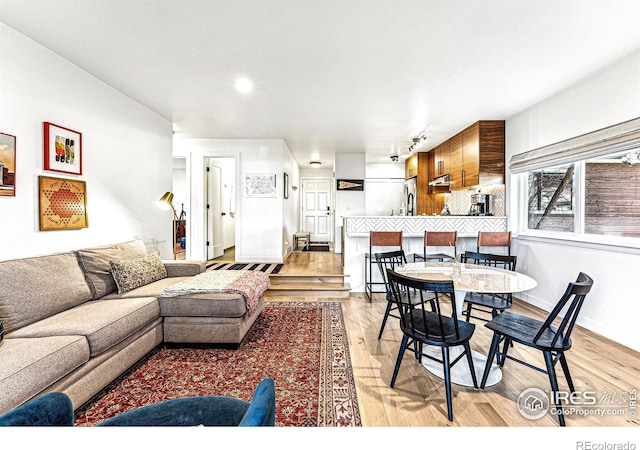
(441, 153)
(455, 162)
(476, 155)
(417, 165)
(411, 166)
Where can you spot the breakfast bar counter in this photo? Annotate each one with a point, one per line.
(355, 236)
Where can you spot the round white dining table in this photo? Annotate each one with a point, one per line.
(466, 278)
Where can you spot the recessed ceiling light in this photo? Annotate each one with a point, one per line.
(244, 85)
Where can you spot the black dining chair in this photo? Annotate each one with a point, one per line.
(553, 341)
(389, 260)
(422, 325)
(487, 303)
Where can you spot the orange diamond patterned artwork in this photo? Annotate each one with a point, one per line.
(63, 204)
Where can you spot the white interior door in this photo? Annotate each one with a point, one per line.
(213, 210)
(316, 209)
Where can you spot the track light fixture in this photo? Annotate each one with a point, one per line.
(394, 158)
(416, 141)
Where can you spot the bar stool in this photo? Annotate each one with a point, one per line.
(494, 239)
(378, 240)
(438, 239)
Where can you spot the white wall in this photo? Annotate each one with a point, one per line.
(127, 153)
(291, 206)
(613, 306)
(260, 227)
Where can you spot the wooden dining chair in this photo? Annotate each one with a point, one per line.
(552, 340)
(494, 239)
(381, 241)
(424, 324)
(438, 239)
(487, 302)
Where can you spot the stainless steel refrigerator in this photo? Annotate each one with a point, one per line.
(410, 194)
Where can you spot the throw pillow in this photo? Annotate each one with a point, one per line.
(133, 273)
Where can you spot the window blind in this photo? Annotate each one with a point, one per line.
(624, 136)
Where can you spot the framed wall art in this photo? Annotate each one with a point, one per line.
(260, 185)
(350, 185)
(286, 185)
(7, 165)
(62, 149)
(63, 204)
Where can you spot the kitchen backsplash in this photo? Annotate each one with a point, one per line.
(460, 201)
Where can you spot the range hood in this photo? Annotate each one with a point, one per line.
(443, 180)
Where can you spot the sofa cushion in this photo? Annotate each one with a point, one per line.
(133, 273)
(95, 263)
(35, 288)
(148, 290)
(32, 364)
(204, 305)
(104, 323)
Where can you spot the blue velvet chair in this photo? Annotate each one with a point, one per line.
(56, 409)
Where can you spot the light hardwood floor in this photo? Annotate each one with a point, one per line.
(597, 365)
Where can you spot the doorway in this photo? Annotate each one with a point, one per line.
(219, 206)
(316, 210)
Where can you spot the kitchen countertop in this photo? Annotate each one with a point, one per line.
(417, 225)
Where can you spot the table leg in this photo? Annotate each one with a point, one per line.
(460, 371)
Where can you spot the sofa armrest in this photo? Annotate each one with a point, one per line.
(184, 268)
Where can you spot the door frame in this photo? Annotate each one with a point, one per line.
(332, 208)
(209, 162)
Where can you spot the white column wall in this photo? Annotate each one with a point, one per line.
(259, 221)
(606, 98)
(126, 150)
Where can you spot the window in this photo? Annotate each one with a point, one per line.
(589, 185)
(551, 199)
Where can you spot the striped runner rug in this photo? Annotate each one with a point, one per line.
(271, 268)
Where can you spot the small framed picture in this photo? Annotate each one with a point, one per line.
(260, 185)
(62, 149)
(7, 165)
(286, 185)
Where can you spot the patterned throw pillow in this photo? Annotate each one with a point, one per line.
(133, 273)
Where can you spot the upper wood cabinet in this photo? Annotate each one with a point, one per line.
(417, 165)
(441, 153)
(455, 162)
(411, 166)
(474, 156)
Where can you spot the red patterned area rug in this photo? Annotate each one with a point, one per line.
(301, 345)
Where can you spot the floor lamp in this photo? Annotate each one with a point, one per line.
(166, 202)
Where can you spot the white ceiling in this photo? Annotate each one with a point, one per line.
(334, 76)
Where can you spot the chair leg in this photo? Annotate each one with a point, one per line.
(447, 381)
(492, 352)
(403, 348)
(368, 288)
(567, 375)
(505, 349)
(472, 369)
(384, 319)
(553, 380)
(468, 312)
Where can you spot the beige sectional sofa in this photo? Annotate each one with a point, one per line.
(69, 326)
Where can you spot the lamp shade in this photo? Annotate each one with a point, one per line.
(166, 200)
